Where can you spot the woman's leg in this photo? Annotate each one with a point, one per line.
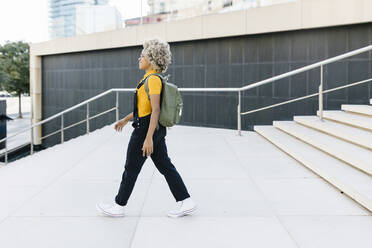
(165, 167)
(133, 165)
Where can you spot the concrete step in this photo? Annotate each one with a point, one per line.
(358, 109)
(354, 120)
(348, 133)
(354, 155)
(354, 183)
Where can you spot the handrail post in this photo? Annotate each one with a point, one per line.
(87, 117)
(238, 112)
(62, 138)
(32, 140)
(117, 105)
(321, 94)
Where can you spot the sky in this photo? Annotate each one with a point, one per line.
(27, 20)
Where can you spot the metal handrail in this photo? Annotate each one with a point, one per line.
(307, 96)
(296, 71)
(239, 90)
(308, 67)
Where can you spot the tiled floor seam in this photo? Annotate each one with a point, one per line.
(140, 214)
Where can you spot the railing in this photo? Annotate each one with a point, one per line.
(303, 69)
(239, 90)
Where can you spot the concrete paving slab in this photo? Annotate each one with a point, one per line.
(213, 232)
(307, 196)
(329, 231)
(78, 198)
(215, 197)
(11, 198)
(61, 232)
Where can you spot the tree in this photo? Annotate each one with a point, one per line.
(14, 69)
(2, 76)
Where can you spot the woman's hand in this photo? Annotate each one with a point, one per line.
(120, 124)
(147, 147)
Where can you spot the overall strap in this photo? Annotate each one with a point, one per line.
(135, 109)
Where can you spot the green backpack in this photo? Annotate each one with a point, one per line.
(170, 102)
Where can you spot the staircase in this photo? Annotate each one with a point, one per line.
(338, 149)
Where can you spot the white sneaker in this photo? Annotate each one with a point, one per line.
(184, 207)
(114, 210)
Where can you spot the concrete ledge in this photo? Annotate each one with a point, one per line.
(353, 155)
(350, 134)
(358, 109)
(354, 120)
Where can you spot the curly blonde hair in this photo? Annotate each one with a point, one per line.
(157, 53)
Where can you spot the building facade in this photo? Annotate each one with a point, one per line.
(62, 16)
(92, 19)
(220, 50)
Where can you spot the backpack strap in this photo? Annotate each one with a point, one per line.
(148, 92)
(147, 84)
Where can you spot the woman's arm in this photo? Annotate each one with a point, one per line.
(122, 122)
(155, 106)
(128, 117)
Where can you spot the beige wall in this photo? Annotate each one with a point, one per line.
(302, 14)
(35, 93)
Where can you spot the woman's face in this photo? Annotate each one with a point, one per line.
(143, 63)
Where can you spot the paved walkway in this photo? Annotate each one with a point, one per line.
(249, 193)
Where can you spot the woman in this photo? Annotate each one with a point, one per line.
(146, 139)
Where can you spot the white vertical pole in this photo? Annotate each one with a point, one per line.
(239, 115)
(117, 105)
(32, 129)
(87, 117)
(321, 94)
(62, 136)
(32, 139)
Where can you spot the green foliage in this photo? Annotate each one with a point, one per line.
(14, 67)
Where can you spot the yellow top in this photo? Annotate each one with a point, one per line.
(143, 102)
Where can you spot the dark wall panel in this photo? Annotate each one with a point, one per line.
(68, 79)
